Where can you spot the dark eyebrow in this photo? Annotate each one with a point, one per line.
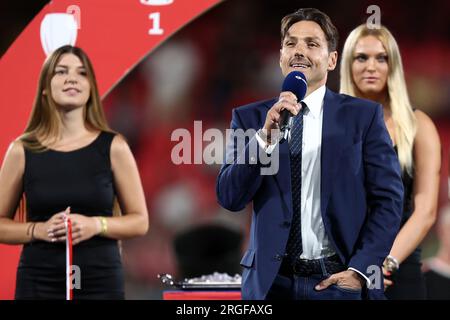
(66, 67)
(312, 39)
(289, 37)
(382, 53)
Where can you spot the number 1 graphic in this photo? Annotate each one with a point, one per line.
(156, 29)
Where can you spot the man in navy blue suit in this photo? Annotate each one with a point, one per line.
(324, 220)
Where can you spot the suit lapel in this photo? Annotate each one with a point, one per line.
(283, 177)
(332, 135)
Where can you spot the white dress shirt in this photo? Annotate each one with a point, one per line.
(315, 241)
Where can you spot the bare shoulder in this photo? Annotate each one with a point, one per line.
(16, 151)
(119, 145)
(427, 136)
(14, 160)
(423, 120)
(120, 150)
(425, 126)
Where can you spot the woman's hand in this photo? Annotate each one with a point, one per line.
(84, 228)
(53, 229)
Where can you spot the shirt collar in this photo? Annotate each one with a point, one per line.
(314, 101)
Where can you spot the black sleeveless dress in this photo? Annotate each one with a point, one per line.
(83, 180)
(409, 283)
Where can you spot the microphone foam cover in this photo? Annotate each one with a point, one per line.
(295, 82)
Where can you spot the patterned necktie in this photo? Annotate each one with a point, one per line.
(294, 246)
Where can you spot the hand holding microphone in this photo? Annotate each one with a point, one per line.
(280, 116)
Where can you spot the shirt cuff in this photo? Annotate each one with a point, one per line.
(267, 147)
(368, 283)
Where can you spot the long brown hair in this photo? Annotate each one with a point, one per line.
(44, 123)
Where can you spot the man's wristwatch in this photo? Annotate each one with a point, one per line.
(391, 264)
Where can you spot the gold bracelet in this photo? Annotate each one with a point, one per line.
(104, 225)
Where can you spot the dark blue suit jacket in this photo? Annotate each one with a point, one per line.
(361, 191)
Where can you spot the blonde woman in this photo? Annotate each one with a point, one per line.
(371, 68)
(69, 163)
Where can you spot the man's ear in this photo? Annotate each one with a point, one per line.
(332, 60)
(280, 59)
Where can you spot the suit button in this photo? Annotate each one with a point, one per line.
(278, 257)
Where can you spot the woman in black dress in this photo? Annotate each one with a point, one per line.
(68, 163)
(371, 68)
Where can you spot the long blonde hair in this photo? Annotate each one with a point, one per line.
(402, 112)
(45, 122)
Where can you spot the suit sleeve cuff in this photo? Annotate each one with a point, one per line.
(362, 275)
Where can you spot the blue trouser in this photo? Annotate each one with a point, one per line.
(299, 287)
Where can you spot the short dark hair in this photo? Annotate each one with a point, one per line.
(312, 14)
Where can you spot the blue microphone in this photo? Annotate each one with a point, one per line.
(294, 82)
